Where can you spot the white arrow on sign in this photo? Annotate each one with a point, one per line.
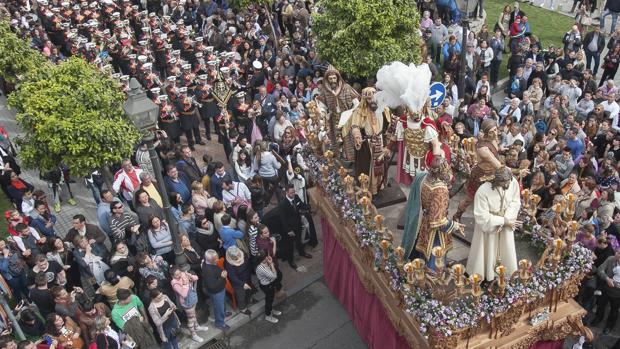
(436, 95)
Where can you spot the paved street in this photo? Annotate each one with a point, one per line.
(312, 318)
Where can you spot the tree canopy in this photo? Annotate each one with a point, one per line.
(360, 36)
(16, 57)
(72, 113)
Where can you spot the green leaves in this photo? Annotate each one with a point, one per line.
(72, 113)
(360, 36)
(16, 58)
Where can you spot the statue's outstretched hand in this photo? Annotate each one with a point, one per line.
(460, 228)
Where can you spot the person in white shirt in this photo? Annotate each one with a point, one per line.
(235, 193)
(613, 109)
(512, 110)
(512, 136)
(484, 81)
(486, 55)
(27, 202)
(572, 91)
(127, 180)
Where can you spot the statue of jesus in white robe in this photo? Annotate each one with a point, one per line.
(496, 206)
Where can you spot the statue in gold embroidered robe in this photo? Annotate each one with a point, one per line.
(338, 97)
(370, 126)
(426, 223)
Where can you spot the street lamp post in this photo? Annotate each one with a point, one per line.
(144, 113)
(463, 67)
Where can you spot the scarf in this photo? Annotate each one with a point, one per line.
(18, 184)
(118, 256)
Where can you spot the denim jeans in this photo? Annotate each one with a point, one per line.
(219, 307)
(597, 60)
(614, 19)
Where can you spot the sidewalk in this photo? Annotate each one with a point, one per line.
(86, 204)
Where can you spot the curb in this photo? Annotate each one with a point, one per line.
(238, 320)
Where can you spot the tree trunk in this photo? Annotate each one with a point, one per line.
(273, 29)
(107, 177)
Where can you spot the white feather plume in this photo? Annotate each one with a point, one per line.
(401, 84)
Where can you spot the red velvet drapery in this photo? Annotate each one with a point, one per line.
(365, 309)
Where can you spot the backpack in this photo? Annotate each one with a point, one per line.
(541, 126)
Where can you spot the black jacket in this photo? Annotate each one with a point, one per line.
(290, 216)
(212, 280)
(600, 43)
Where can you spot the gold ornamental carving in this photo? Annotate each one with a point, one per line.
(504, 323)
(414, 141)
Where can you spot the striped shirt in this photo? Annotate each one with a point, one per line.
(265, 275)
(119, 224)
(252, 235)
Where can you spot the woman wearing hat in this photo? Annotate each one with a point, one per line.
(239, 273)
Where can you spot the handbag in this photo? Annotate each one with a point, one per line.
(191, 299)
(240, 202)
(243, 246)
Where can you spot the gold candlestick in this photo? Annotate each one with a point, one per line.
(363, 179)
(571, 236)
(378, 221)
(501, 279)
(325, 172)
(526, 198)
(330, 158)
(364, 201)
(524, 270)
(557, 253)
(342, 172)
(535, 200)
(459, 279)
(571, 200)
(409, 273)
(348, 185)
(501, 272)
(557, 208)
(419, 272)
(476, 290)
(439, 253)
(385, 246)
(400, 256)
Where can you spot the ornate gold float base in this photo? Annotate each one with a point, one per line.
(510, 330)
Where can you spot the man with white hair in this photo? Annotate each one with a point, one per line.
(511, 110)
(611, 106)
(214, 284)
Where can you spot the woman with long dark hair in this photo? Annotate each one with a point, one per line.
(268, 277)
(160, 239)
(64, 330)
(162, 311)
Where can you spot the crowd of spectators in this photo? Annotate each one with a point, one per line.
(241, 216)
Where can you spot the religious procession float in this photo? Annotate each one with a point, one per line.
(404, 293)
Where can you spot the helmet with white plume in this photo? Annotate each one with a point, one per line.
(403, 85)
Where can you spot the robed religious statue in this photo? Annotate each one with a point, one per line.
(496, 206)
(362, 135)
(427, 224)
(338, 96)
